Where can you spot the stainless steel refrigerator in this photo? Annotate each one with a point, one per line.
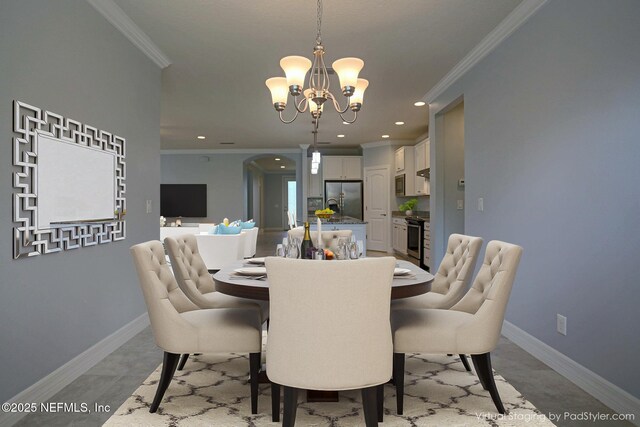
(352, 197)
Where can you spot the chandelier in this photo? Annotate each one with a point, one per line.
(315, 156)
(314, 97)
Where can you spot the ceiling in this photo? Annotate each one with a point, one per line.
(270, 164)
(222, 51)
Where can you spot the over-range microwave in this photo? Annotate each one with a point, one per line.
(400, 188)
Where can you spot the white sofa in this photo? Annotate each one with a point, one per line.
(218, 250)
(176, 231)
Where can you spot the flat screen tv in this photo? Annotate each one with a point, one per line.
(186, 200)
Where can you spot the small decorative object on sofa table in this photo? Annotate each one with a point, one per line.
(408, 206)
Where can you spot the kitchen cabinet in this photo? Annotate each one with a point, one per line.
(426, 253)
(406, 156)
(421, 154)
(340, 168)
(399, 235)
(314, 182)
(399, 160)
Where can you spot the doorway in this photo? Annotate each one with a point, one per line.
(377, 191)
(289, 198)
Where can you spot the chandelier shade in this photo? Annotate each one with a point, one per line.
(279, 91)
(358, 94)
(347, 70)
(295, 68)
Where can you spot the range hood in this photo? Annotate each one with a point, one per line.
(425, 173)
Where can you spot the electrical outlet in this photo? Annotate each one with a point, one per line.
(562, 324)
(148, 206)
(480, 204)
(460, 205)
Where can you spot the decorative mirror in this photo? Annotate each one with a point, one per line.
(70, 179)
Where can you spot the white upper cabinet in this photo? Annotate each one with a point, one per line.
(339, 168)
(421, 152)
(314, 182)
(399, 160)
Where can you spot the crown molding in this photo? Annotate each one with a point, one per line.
(422, 137)
(234, 151)
(512, 22)
(386, 143)
(116, 16)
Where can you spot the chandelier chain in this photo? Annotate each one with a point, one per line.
(318, 34)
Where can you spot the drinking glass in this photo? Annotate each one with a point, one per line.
(293, 250)
(360, 244)
(354, 251)
(280, 250)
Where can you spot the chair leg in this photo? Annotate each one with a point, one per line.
(290, 406)
(275, 402)
(480, 377)
(169, 365)
(380, 402)
(183, 360)
(369, 404)
(482, 362)
(254, 369)
(398, 377)
(465, 362)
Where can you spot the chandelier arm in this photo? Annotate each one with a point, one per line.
(355, 117)
(325, 75)
(287, 121)
(297, 104)
(336, 105)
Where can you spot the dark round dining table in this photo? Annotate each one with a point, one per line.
(417, 282)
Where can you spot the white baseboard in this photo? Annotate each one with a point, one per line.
(48, 386)
(603, 390)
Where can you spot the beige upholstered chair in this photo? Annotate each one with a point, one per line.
(196, 282)
(472, 326)
(251, 241)
(451, 280)
(329, 238)
(179, 326)
(329, 329)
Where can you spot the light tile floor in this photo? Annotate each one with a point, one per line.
(115, 378)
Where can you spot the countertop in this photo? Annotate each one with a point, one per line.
(416, 214)
(334, 220)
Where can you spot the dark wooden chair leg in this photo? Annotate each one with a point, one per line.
(169, 365)
(482, 363)
(398, 376)
(369, 406)
(254, 369)
(275, 402)
(290, 406)
(183, 360)
(480, 377)
(380, 402)
(465, 362)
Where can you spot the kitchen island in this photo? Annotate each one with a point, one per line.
(358, 226)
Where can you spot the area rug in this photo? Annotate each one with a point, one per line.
(214, 391)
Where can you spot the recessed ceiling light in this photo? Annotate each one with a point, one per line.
(399, 123)
(340, 136)
(282, 167)
(385, 136)
(277, 159)
(201, 137)
(420, 103)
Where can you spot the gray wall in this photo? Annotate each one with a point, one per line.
(63, 56)
(453, 122)
(225, 177)
(551, 127)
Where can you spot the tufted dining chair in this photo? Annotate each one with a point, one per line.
(472, 326)
(330, 239)
(451, 280)
(197, 284)
(329, 329)
(180, 327)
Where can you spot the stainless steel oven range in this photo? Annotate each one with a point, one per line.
(414, 237)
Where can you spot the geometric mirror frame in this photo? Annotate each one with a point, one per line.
(70, 183)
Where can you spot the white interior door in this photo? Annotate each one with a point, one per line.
(377, 187)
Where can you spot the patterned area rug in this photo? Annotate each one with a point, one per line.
(214, 391)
